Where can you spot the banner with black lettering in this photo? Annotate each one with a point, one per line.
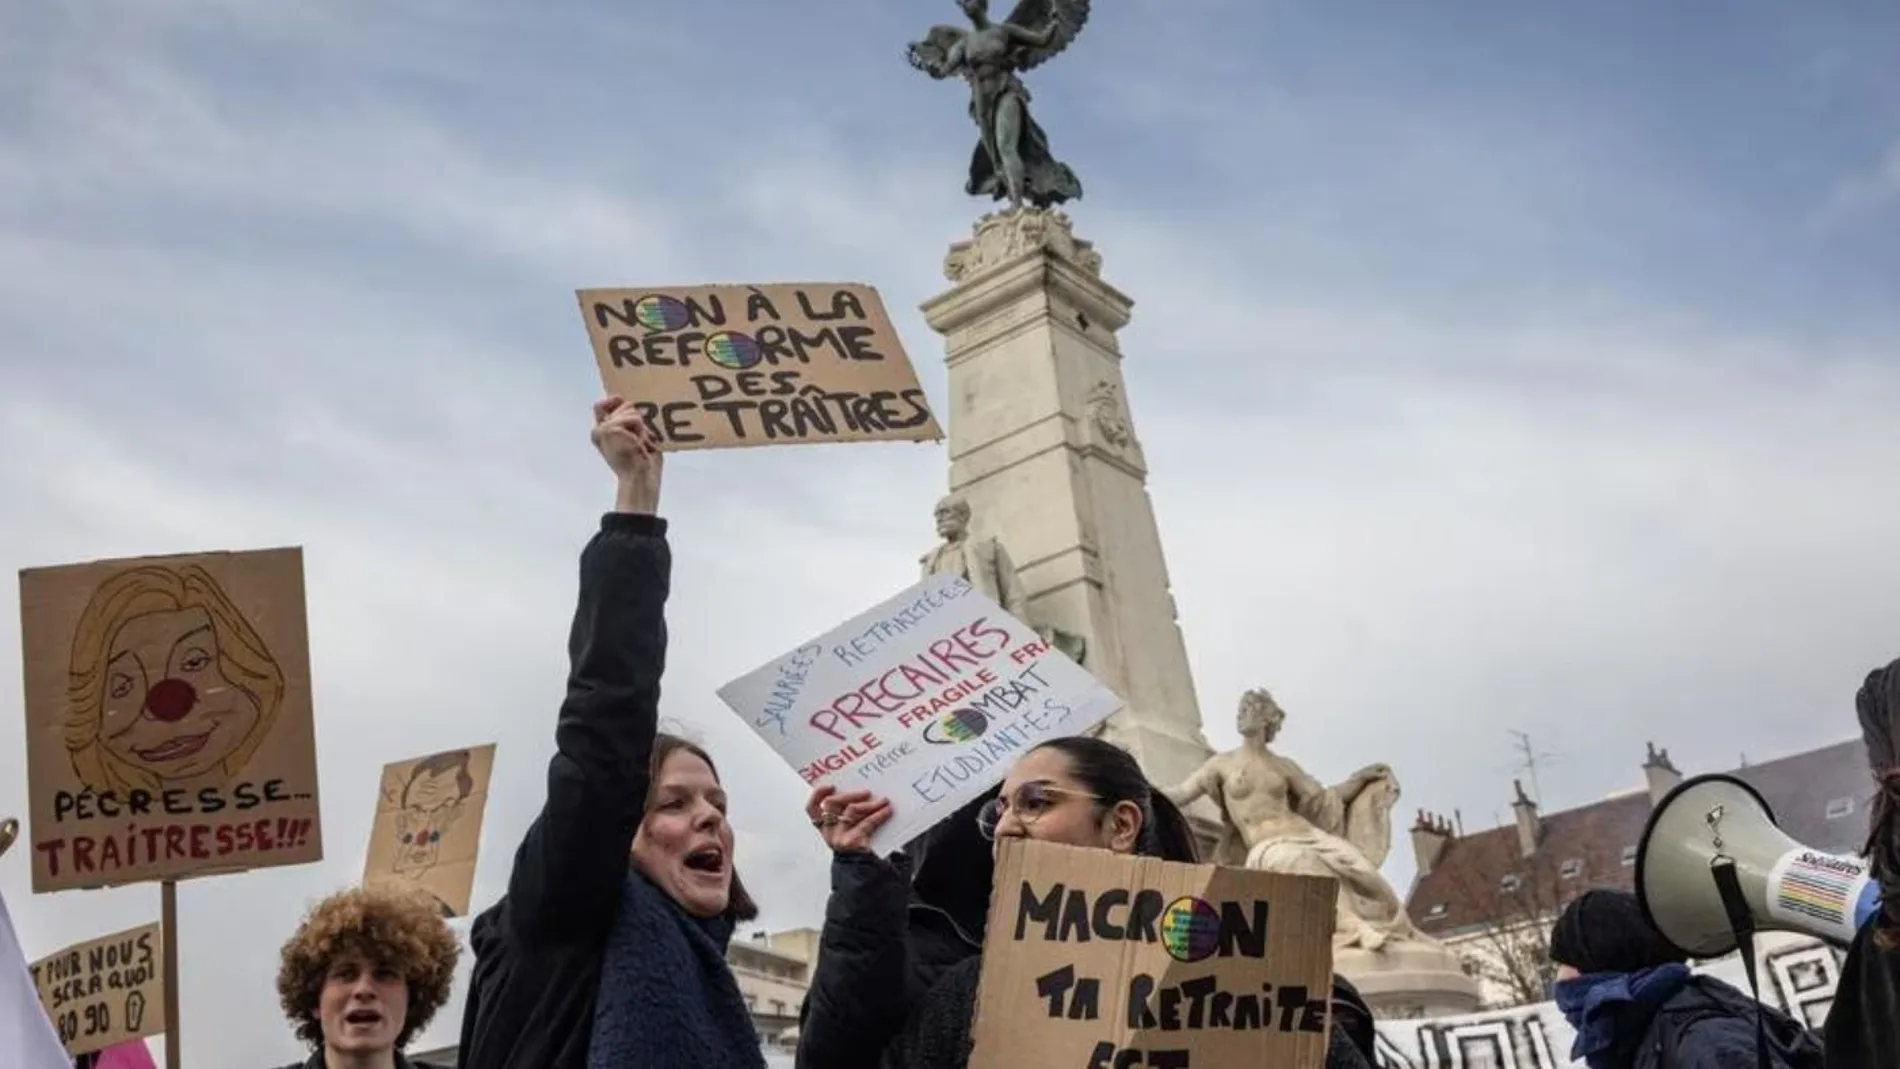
(1104, 961)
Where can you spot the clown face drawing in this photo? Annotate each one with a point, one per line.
(169, 685)
(428, 802)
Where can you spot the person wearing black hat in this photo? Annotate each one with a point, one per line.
(1635, 1005)
(1863, 1026)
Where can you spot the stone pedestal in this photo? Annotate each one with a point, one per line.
(1409, 980)
(1043, 447)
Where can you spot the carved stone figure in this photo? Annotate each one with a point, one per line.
(1012, 158)
(986, 565)
(1278, 818)
(982, 561)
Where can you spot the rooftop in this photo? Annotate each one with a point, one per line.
(1818, 797)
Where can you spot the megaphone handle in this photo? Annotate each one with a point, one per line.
(1742, 922)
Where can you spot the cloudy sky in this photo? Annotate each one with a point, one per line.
(1500, 368)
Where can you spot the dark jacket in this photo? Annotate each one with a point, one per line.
(1711, 1025)
(892, 931)
(1863, 1027)
(898, 960)
(538, 951)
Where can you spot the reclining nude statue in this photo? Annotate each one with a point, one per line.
(1279, 819)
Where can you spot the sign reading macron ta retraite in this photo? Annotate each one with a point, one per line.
(1096, 960)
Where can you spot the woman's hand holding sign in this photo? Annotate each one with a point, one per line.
(848, 820)
(633, 452)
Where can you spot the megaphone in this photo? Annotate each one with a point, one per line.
(1713, 822)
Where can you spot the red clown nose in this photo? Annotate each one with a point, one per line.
(170, 699)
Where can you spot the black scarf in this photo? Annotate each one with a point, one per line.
(667, 997)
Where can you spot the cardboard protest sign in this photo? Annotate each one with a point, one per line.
(926, 699)
(168, 718)
(429, 824)
(105, 991)
(714, 367)
(1109, 961)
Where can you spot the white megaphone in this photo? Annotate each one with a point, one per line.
(1716, 829)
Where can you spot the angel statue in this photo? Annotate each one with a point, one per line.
(1012, 153)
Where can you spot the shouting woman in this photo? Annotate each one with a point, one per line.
(608, 951)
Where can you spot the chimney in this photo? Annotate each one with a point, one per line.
(1528, 830)
(1662, 775)
(1430, 835)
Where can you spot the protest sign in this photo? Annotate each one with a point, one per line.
(429, 824)
(105, 991)
(926, 699)
(1108, 961)
(168, 718)
(715, 367)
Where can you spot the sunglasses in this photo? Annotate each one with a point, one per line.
(1029, 802)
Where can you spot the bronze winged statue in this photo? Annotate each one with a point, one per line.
(1012, 156)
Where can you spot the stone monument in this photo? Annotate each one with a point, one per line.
(1043, 451)
(1276, 817)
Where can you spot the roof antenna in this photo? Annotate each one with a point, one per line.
(1532, 757)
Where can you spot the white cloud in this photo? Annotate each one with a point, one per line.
(236, 321)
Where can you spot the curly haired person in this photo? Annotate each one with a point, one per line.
(363, 975)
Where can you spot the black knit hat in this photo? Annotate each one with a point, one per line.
(1604, 931)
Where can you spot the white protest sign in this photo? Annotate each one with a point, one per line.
(926, 699)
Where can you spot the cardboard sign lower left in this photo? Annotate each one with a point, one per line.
(105, 991)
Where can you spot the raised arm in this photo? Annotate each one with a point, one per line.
(859, 998)
(569, 870)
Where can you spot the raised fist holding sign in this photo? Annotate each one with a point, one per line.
(632, 452)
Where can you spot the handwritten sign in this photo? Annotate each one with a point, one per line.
(714, 367)
(168, 718)
(104, 992)
(429, 825)
(926, 699)
(1110, 961)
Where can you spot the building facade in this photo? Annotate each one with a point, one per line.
(1491, 896)
(774, 969)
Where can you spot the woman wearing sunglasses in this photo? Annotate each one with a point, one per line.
(871, 1005)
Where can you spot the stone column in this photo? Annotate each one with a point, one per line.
(1043, 447)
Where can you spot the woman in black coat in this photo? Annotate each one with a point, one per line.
(895, 985)
(608, 951)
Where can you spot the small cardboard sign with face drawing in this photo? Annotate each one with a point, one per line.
(168, 718)
(429, 825)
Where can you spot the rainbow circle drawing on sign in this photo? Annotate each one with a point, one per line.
(956, 726)
(732, 350)
(659, 312)
(1190, 929)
